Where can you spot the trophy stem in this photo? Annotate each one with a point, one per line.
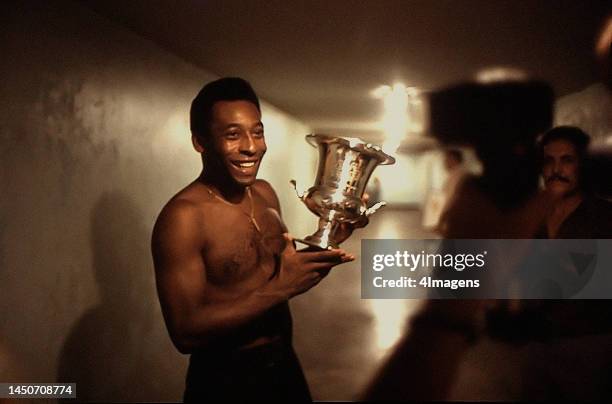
(324, 237)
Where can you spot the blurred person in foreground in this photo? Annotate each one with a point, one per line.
(438, 200)
(425, 363)
(455, 174)
(501, 120)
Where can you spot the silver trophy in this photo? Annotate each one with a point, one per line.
(345, 167)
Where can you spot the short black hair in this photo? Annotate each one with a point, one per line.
(224, 89)
(455, 153)
(572, 134)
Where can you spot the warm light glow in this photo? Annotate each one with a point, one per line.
(174, 138)
(390, 314)
(416, 110)
(390, 318)
(602, 47)
(395, 117)
(403, 113)
(500, 73)
(381, 92)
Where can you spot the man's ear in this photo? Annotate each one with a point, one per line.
(197, 143)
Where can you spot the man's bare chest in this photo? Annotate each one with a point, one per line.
(241, 248)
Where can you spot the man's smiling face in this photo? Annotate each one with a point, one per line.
(237, 142)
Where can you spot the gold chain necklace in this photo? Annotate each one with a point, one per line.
(251, 216)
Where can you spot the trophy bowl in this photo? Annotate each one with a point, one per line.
(344, 168)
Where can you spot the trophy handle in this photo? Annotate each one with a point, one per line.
(300, 193)
(374, 208)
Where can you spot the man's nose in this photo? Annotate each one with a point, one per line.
(247, 144)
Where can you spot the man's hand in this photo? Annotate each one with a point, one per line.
(346, 229)
(301, 270)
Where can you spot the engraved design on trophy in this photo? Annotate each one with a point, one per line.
(345, 166)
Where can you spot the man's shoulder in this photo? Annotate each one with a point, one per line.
(265, 190)
(185, 208)
(592, 219)
(181, 207)
(263, 187)
(178, 214)
(595, 206)
(602, 210)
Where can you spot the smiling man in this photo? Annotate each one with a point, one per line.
(225, 266)
(576, 213)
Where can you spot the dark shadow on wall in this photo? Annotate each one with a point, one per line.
(107, 353)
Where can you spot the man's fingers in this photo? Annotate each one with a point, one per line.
(318, 266)
(289, 243)
(315, 278)
(324, 272)
(362, 222)
(326, 256)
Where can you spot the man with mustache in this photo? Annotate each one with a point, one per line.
(577, 212)
(577, 332)
(225, 266)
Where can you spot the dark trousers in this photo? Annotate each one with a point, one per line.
(268, 372)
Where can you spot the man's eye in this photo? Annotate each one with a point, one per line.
(232, 135)
(567, 159)
(259, 133)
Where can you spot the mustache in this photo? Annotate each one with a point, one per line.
(556, 177)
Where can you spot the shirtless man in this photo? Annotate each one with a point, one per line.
(225, 265)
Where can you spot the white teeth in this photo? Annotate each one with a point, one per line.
(246, 165)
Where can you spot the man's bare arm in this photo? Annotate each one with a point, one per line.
(191, 317)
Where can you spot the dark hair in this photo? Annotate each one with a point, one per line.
(455, 153)
(572, 134)
(225, 89)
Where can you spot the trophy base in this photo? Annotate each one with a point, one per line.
(317, 243)
(324, 237)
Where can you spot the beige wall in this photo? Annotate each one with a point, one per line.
(93, 141)
(590, 109)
